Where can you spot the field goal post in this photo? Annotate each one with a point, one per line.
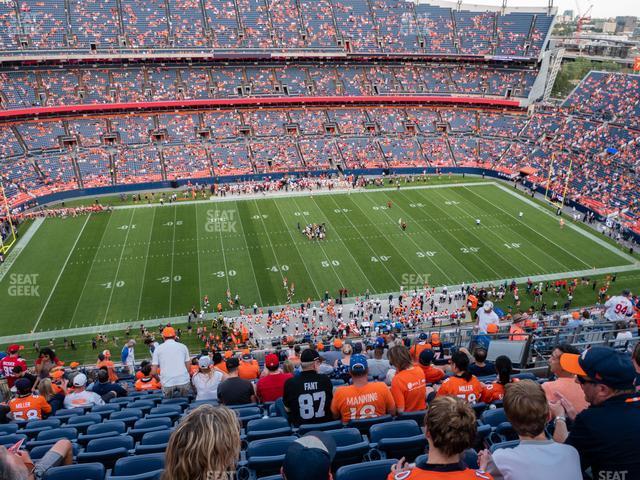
(557, 201)
(5, 214)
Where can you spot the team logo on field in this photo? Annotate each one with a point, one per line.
(24, 285)
(221, 221)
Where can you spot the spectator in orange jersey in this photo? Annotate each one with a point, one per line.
(147, 381)
(450, 427)
(417, 348)
(408, 387)
(249, 368)
(104, 361)
(363, 399)
(431, 374)
(219, 363)
(517, 332)
(463, 384)
(495, 391)
(28, 406)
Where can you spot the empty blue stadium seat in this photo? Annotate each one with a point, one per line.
(8, 440)
(106, 410)
(106, 450)
(138, 464)
(144, 405)
(493, 417)
(8, 428)
(351, 446)
(83, 422)
(147, 425)
(102, 430)
(183, 402)
(310, 427)
(34, 427)
(37, 453)
(246, 414)
(66, 413)
(88, 471)
(128, 415)
(154, 442)
(267, 428)
(58, 433)
(402, 438)
(364, 424)
(265, 457)
(122, 401)
(418, 416)
(376, 470)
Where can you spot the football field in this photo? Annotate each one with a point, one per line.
(148, 262)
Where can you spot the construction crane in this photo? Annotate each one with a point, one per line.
(583, 16)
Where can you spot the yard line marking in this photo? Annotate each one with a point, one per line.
(244, 237)
(115, 280)
(146, 261)
(55, 285)
(585, 233)
(534, 245)
(418, 246)
(479, 257)
(396, 281)
(315, 287)
(93, 261)
(541, 235)
(333, 268)
(275, 257)
(200, 296)
(22, 243)
(173, 249)
(224, 259)
(341, 240)
(491, 231)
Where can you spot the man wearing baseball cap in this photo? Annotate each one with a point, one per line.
(363, 399)
(80, 397)
(10, 361)
(172, 358)
(27, 406)
(607, 433)
(307, 397)
(486, 316)
(309, 457)
(271, 386)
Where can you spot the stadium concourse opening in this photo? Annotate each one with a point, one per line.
(307, 240)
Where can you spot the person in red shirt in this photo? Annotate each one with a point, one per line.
(271, 386)
(28, 406)
(10, 361)
(450, 427)
(431, 374)
(408, 387)
(495, 391)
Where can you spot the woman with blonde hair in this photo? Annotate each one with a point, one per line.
(341, 365)
(204, 446)
(52, 394)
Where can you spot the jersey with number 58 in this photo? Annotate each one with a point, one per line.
(618, 308)
(29, 407)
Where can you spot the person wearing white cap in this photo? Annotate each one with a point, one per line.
(207, 379)
(80, 397)
(486, 316)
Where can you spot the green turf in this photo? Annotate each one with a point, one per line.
(143, 263)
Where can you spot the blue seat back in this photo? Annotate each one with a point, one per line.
(311, 427)
(493, 417)
(58, 433)
(138, 464)
(156, 438)
(397, 429)
(86, 471)
(144, 423)
(376, 470)
(110, 426)
(101, 444)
